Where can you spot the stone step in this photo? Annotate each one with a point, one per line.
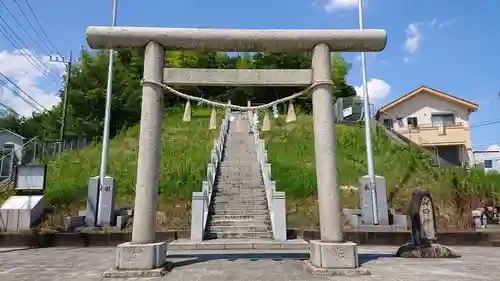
(239, 235)
(243, 188)
(239, 195)
(238, 162)
(240, 190)
(237, 178)
(240, 198)
(238, 212)
(239, 228)
(240, 223)
(241, 205)
(238, 206)
(240, 217)
(240, 184)
(295, 245)
(261, 191)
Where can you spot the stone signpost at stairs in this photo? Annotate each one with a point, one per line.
(144, 256)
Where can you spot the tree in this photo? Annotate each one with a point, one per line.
(89, 78)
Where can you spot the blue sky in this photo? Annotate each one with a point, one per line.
(447, 45)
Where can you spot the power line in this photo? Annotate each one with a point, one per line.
(47, 49)
(22, 51)
(12, 36)
(41, 27)
(9, 109)
(486, 123)
(21, 90)
(21, 26)
(7, 86)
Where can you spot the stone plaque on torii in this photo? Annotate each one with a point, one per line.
(144, 255)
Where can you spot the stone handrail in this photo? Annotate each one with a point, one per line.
(275, 199)
(202, 200)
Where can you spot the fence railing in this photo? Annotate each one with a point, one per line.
(35, 151)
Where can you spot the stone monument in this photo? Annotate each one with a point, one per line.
(364, 219)
(100, 212)
(423, 230)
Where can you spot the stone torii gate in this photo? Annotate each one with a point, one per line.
(144, 252)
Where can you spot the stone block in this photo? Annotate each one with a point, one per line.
(426, 252)
(380, 228)
(400, 220)
(73, 222)
(121, 221)
(141, 256)
(367, 203)
(353, 220)
(340, 255)
(106, 203)
(92, 196)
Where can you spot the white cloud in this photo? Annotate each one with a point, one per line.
(414, 33)
(413, 37)
(337, 5)
(19, 69)
(377, 90)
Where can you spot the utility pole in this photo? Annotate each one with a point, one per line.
(65, 98)
(368, 131)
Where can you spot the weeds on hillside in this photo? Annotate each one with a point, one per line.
(185, 152)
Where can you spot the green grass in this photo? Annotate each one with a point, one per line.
(185, 153)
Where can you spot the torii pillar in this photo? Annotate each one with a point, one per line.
(144, 255)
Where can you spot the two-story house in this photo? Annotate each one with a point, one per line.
(434, 120)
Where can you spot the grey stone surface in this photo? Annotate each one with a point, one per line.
(298, 245)
(92, 198)
(141, 256)
(239, 208)
(249, 40)
(106, 203)
(334, 255)
(24, 212)
(320, 271)
(435, 251)
(366, 201)
(89, 264)
(238, 77)
(380, 228)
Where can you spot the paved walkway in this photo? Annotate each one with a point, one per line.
(87, 264)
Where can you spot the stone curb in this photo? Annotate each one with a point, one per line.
(95, 239)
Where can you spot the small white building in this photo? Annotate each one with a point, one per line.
(489, 160)
(9, 141)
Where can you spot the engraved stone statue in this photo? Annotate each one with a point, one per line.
(423, 230)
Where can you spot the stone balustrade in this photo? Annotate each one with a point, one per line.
(201, 200)
(275, 199)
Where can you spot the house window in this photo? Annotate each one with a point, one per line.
(412, 122)
(388, 122)
(488, 164)
(443, 119)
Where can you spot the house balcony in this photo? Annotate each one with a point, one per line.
(437, 135)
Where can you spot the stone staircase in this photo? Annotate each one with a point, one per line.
(239, 207)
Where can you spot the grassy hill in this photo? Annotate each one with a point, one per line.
(185, 154)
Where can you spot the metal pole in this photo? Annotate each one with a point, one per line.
(107, 114)
(369, 148)
(65, 103)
